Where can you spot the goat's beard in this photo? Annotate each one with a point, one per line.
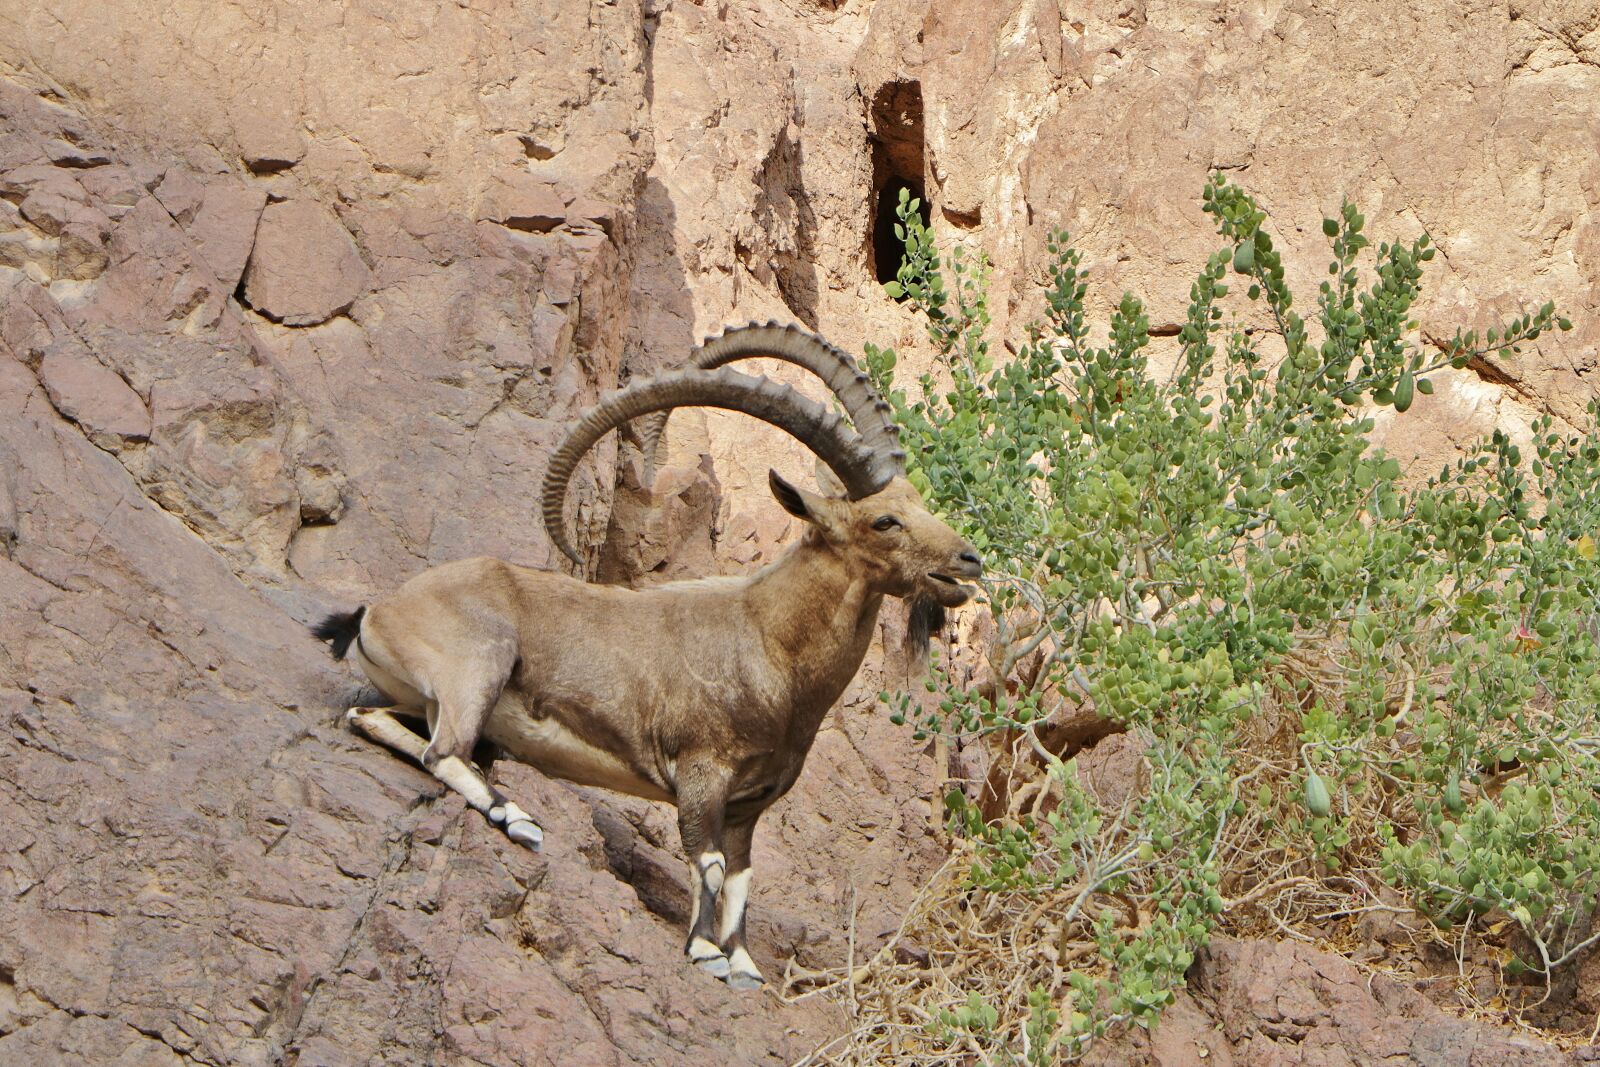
(927, 619)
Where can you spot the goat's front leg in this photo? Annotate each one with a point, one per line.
(702, 797)
(742, 970)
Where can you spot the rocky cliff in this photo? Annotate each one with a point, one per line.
(295, 297)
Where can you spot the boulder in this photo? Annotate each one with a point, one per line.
(304, 268)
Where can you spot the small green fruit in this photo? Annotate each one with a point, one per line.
(1452, 794)
(1318, 802)
(1403, 391)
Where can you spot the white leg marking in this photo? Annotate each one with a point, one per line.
(713, 865)
(743, 972)
(518, 825)
(458, 776)
(708, 957)
(694, 896)
(384, 728)
(735, 895)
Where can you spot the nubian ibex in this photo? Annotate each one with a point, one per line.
(705, 694)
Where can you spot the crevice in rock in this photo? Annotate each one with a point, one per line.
(264, 166)
(535, 148)
(965, 220)
(295, 1015)
(620, 839)
(1489, 372)
(898, 164)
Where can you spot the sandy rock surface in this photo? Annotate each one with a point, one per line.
(296, 297)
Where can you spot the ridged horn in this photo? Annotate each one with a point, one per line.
(868, 412)
(863, 470)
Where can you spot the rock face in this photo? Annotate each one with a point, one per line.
(1284, 1004)
(296, 297)
(303, 267)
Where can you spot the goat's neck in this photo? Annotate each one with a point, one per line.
(817, 617)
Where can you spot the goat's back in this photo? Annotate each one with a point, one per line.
(571, 640)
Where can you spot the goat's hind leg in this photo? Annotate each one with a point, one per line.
(464, 707)
(380, 725)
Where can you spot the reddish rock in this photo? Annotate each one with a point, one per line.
(199, 863)
(181, 194)
(523, 202)
(1282, 1003)
(85, 391)
(304, 268)
(587, 212)
(1254, 1003)
(114, 189)
(268, 138)
(224, 229)
(64, 236)
(51, 206)
(66, 153)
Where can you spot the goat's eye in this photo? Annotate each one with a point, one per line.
(887, 522)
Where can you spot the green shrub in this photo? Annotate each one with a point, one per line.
(1339, 676)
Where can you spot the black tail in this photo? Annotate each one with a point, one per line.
(340, 629)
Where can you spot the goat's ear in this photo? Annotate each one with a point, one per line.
(797, 502)
(828, 481)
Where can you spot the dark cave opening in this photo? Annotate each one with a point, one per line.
(898, 161)
(888, 251)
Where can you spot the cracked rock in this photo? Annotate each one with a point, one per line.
(304, 268)
(85, 391)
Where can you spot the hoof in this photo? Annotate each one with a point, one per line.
(715, 966)
(526, 834)
(744, 980)
(708, 957)
(742, 973)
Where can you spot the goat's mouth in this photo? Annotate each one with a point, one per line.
(948, 591)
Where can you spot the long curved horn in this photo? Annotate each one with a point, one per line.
(868, 412)
(863, 470)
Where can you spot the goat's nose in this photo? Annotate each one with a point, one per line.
(971, 557)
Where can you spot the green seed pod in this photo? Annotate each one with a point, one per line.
(1403, 390)
(1452, 794)
(1317, 801)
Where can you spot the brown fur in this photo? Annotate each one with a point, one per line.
(707, 694)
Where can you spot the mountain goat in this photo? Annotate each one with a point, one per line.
(705, 694)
